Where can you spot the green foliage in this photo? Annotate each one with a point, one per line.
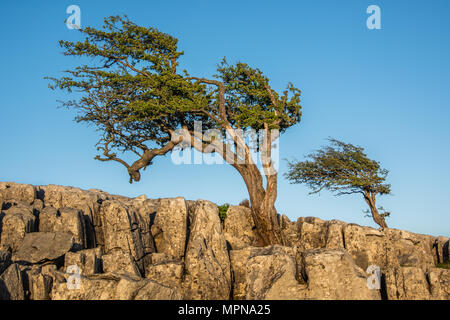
(251, 103)
(132, 92)
(443, 265)
(341, 168)
(223, 211)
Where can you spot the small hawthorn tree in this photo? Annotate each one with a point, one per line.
(343, 168)
(132, 91)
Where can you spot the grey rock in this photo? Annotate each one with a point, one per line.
(15, 223)
(120, 262)
(155, 291)
(160, 257)
(406, 283)
(11, 284)
(335, 235)
(120, 229)
(5, 260)
(38, 284)
(114, 287)
(289, 232)
(410, 249)
(146, 211)
(89, 261)
(64, 220)
(170, 227)
(313, 233)
(442, 249)
(439, 283)
(17, 192)
(333, 275)
(88, 202)
(266, 273)
(166, 273)
(239, 228)
(39, 247)
(184, 251)
(208, 270)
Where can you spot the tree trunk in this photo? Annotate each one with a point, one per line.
(262, 204)
(370, 199)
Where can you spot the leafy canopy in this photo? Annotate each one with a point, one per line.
(341, 168)
(132, 91)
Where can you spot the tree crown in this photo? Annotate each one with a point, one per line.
(341, 168)
(133, 93)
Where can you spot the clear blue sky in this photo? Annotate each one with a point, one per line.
(387, 90)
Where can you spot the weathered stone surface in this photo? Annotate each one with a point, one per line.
(166, 273)
(160, 257)
(411, 249)
(335, 235)
(191, 207)
(38, 284)
(5, 260)
(170, 227)
(120, 262)
(313, 233)
(11, 284)
(389, 248)
(51, 270)
(17, 192)
(189, 255)
(332, 274)
(38, 247)
(64, 220)
(289, 231)
(146, 211)
(37, 205)
(368, 246)
(266, 273)
(114, 287)
(155, 291)
(273, 273)
(406, 283)
(208, 273)
(145, 289)
(101, 288)
(69, 197)
(120, 229)
(89, 260)
(439, 283)
(442, 249)
(88, 201)
(239, 228)
(15, 222)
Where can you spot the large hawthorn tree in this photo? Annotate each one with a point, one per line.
(343, 168)
(131, 89)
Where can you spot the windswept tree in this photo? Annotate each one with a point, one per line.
(343, 168)
(131, 89)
